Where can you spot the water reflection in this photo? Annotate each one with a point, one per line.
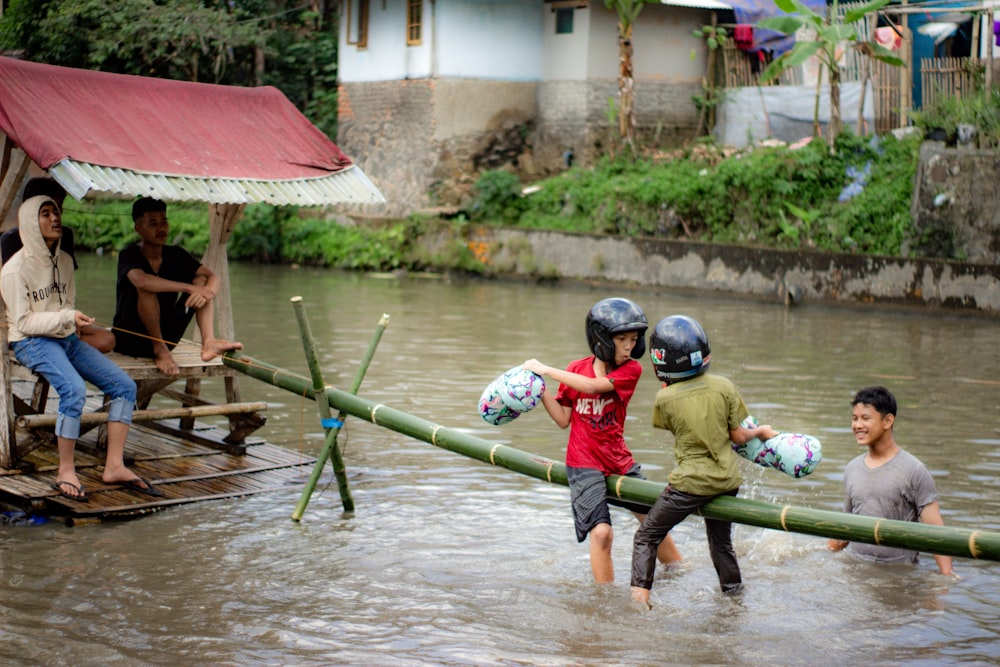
(451, 562)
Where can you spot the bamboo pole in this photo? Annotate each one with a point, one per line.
(943, 540)
(330, 448)
(88, 418)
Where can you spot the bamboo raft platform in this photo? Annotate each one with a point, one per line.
(187, 459)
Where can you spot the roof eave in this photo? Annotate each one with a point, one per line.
(347, 186)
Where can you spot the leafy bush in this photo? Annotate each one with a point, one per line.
(497, 197)
(258, 235)
(855, 199)
(365, 248)
(743, 199)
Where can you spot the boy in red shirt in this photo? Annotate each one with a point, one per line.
(592, 400)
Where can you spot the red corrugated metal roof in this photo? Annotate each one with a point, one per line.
(158, 126)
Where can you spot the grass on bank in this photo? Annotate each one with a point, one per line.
(854, 200)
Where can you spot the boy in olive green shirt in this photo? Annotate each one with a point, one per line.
(704, 414)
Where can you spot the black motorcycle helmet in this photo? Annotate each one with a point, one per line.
(614, 316)
(679, 349)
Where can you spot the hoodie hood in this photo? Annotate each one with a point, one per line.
(29, 229)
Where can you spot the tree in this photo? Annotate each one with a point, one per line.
(290, 44)
(831, 30)
(628, 11)
(183, 39)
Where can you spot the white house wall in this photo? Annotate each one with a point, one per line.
(661, 44)
(387, 56)
(490, 39)
(487, 39)
(566, 57)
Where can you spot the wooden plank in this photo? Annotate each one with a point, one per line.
(185, 474)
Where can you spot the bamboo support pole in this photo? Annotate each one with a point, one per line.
(944, 540)
(89, 418)
(330, 448)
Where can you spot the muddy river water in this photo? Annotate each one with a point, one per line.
(447, 561)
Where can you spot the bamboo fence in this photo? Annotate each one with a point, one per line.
(942, 78)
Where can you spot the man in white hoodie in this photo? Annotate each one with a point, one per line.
(39, 291)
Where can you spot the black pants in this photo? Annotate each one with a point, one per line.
(670, 509)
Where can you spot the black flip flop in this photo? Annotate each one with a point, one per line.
(58, 486)
(142, 485)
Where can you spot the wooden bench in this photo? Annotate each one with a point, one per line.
(244, 419)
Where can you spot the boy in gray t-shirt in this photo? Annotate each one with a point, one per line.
(886, 481)
(899, 489)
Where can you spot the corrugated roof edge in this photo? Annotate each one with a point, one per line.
(348, 186)
(697, 4)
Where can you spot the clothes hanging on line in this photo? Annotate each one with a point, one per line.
(887, 37)
(743, 37)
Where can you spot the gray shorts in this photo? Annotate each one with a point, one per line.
(589, 497)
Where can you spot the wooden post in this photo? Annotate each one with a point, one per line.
(13, 166)
(88, 418)
(906, 71)
(222, 220)
(988, 80)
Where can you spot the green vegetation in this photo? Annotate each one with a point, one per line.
(281, 234)
(773, 197)
(949, 112)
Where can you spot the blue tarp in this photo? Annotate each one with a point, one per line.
(751, 11)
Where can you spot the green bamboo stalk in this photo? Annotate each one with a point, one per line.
(330, 449)
(944, 540)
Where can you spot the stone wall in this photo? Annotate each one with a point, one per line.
(386, 129)
(423, 141)
(956, 204)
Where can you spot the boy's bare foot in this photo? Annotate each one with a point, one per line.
(210, 349)
(641, 595)
(165, 362)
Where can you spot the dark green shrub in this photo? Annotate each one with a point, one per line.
(497, 198)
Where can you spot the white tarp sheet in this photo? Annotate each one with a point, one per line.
(749, 115)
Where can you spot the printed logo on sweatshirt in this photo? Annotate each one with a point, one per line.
(46, 292)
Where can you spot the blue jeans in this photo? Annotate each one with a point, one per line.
(66, 363)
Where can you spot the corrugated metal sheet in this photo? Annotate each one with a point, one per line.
(697, 4)
(116, 135)
(348, 186)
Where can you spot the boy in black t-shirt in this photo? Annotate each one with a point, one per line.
(160, 287)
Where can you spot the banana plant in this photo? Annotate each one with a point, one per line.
(628, 12)
(830, 31)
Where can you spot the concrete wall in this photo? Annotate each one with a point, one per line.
(575, 114)
(385, 128)
(790, 277)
